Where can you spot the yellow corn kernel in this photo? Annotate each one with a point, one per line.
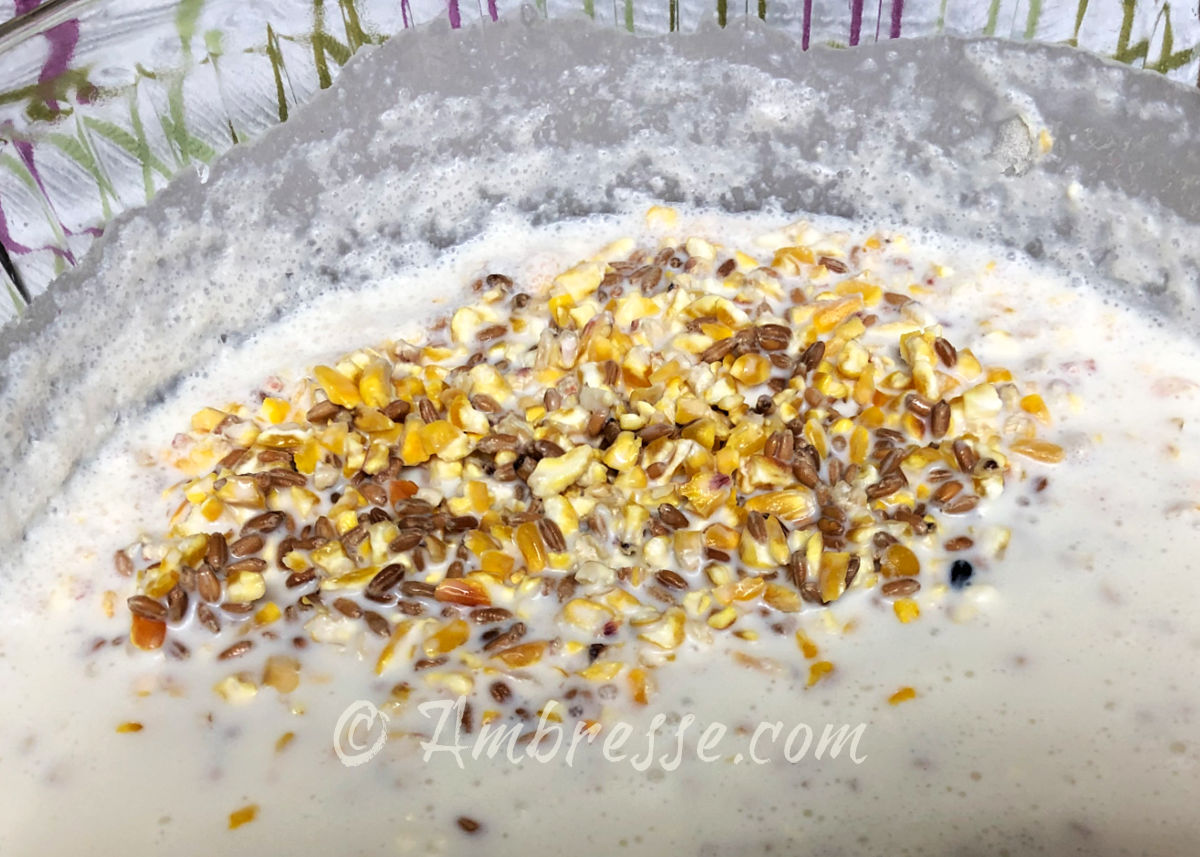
(860, 445)
(522, 654)
(602, 671)
(1033, 404)
(447, 639)
(833, 569)
(623, 453)
(807, 647)
(375, 386)
(721, 537)
(818, 671)
(496, 563)
(267, 614)
(533, 548)
(207, 419)
(722, 619)
(412, 448)
(1039, 450)
(795, 255)
(479, 496)
(996, 375)
(445, 440)
(129, 726)
(906, 610)
(245, 815)
(968, 365)
(899, 561)
(904, 694)
(212, 508)
(275, 410)
(830, 314)
(340, 389)
(751, 369)
(640, 685)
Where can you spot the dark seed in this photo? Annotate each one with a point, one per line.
(488, 615)
(347, 608)
(939, 419)
(812, 356)
(500, 692)
(726, 267)
(246, 545)
(207, 585)
(217, 551)
(672, 517)
(552, 535)
(959, 543)
(322, 412)
(960, 573)
(206, 617)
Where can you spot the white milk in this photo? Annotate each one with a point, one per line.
(1055, 702)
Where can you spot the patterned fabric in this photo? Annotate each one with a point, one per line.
(102, 103)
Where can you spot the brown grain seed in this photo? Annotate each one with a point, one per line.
(324, 529)
(900, 588)
(717, 351)
(236, 608)
(946, 352)
(646, 277)
(959, 543)
(377, 624)
(322, 412)
(726, 267)
(123, 563)
(300, 578)
(397, 410)
(234, 458)
(965, 456)
(246, 545)
(500, 692)
(832, 264)
(939, 419)
(670, 579)
(410, 608)
(206, 617)
(147, 608)
(895, 299)
(488, 615)
(407, 540)
(918, 404)
(595, 423)
(252, 563)
(883, 540)
(547, 449)
(797, 569)
(828, 526)
(485, 403)
(756, 527)
(267, 522)
(347, 608)
(961, 504)
(656, 470)
(429, 663)
(492, 331)
(716, 554)
(552, 400)
(177, 604)
(207, 585)
(672, 516)
(940, 474)
(427, 410)
(654, 431)
(805, 473)
(566, 587)
(236, 650)
(374, 493)
(946, 491)
(418, 589)
(455, 570)
(216, 553)
(811, 592)
(886, 486)
(552, 535)
(812, 356)
(502, 641)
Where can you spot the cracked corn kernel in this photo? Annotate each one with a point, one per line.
(1039, 450)
(902, 695)
(129, 726)
(242, 816)
(818, 671)
(906, 609)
